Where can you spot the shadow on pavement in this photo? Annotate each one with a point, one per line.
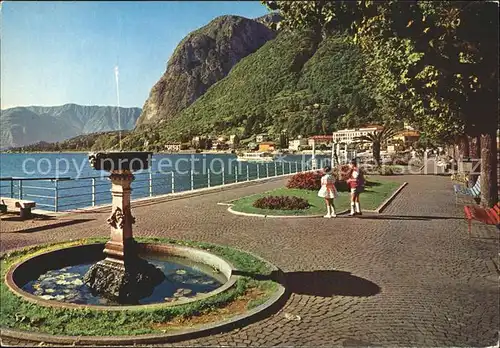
(408, 217)
(50, 226)
(322, 283)
(329, 283)
(16, 217)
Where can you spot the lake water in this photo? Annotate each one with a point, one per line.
(183, 279)
(78, 185)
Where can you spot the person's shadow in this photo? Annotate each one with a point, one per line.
(323, 283)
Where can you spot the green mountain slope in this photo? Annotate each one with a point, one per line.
(292, 82)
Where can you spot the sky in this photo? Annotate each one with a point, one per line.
(55, 52)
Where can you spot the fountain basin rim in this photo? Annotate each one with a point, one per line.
(195, 254)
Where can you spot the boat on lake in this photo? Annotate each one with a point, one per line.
(256, 157)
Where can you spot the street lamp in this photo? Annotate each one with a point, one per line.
(313, 157)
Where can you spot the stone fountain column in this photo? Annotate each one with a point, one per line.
(122, 276)
(121, 243)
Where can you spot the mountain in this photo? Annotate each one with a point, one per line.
(296, 82)
(201, 59)
(21, 126)
(101, 141)
(269, 19)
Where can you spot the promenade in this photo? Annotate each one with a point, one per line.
(410, 276)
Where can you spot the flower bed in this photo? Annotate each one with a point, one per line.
(281, 203)
(376, 191)
(305, 181)
(312, 180)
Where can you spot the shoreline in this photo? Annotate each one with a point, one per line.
(189, 152)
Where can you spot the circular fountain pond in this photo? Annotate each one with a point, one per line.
(56, 277)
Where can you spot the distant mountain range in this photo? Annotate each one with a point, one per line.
(22, 126)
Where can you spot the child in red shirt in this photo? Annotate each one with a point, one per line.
(356, 183)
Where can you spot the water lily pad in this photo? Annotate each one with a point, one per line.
(49, 291)
(59, 297)
(62, 282)
(181, 271)
(182, 292)
(77, 282)
(47, 297)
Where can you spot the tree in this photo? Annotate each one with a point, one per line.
(435, 61)
(283, 140)
(377, 138)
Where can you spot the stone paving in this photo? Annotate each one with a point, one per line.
(410, 276)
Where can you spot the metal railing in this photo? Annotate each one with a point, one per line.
(65, 193)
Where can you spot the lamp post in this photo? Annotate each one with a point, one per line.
(313, 157)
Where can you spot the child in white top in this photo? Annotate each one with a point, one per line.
(328, 191)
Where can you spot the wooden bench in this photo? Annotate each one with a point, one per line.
(24, 206)
(490, 216)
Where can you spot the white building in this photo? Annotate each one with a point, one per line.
(260, 138)
(294, 145)
(173, 147)
(348, 135)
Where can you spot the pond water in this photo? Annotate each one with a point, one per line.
(183, 279)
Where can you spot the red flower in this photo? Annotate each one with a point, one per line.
(281, 203)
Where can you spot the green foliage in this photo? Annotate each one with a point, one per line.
(439, 58)
(293, 83)
(377, 138)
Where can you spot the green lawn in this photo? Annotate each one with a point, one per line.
(376, 192)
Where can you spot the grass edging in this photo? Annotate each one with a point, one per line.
(389, 200)
(239, 206)
(273, 299)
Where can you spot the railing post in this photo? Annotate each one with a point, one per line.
(289, 167)
(248, 173)
(173, 182)
(267, 170)
(223, 175)
(11, 188)
(258, 171)
(275, 168)
(236, 173)
(93, 192)
(150, 184)
(301, 166)
(296, 167)
(20, 189)
(192, 180)
(56, 195)
(282, 168)
(208, 177)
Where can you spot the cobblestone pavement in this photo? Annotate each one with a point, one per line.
(410, 276)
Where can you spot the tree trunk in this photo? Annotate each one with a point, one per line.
(464, 147)
(477, 147)
(376, 153)
(489, 184)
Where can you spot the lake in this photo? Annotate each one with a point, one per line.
(78, 185)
